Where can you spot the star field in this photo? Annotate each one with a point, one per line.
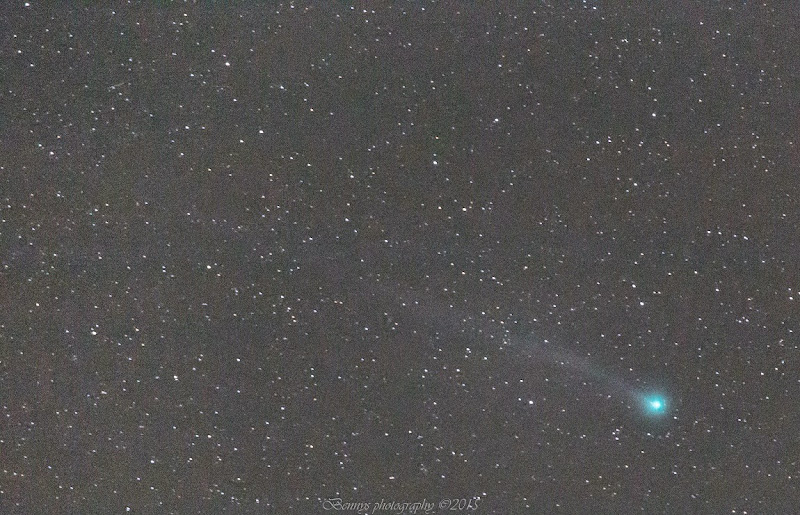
(254, 257)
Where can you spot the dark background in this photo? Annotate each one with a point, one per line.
(254, 256)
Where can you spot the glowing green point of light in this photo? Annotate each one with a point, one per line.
(655, 404)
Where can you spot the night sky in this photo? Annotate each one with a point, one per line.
(256, 258)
